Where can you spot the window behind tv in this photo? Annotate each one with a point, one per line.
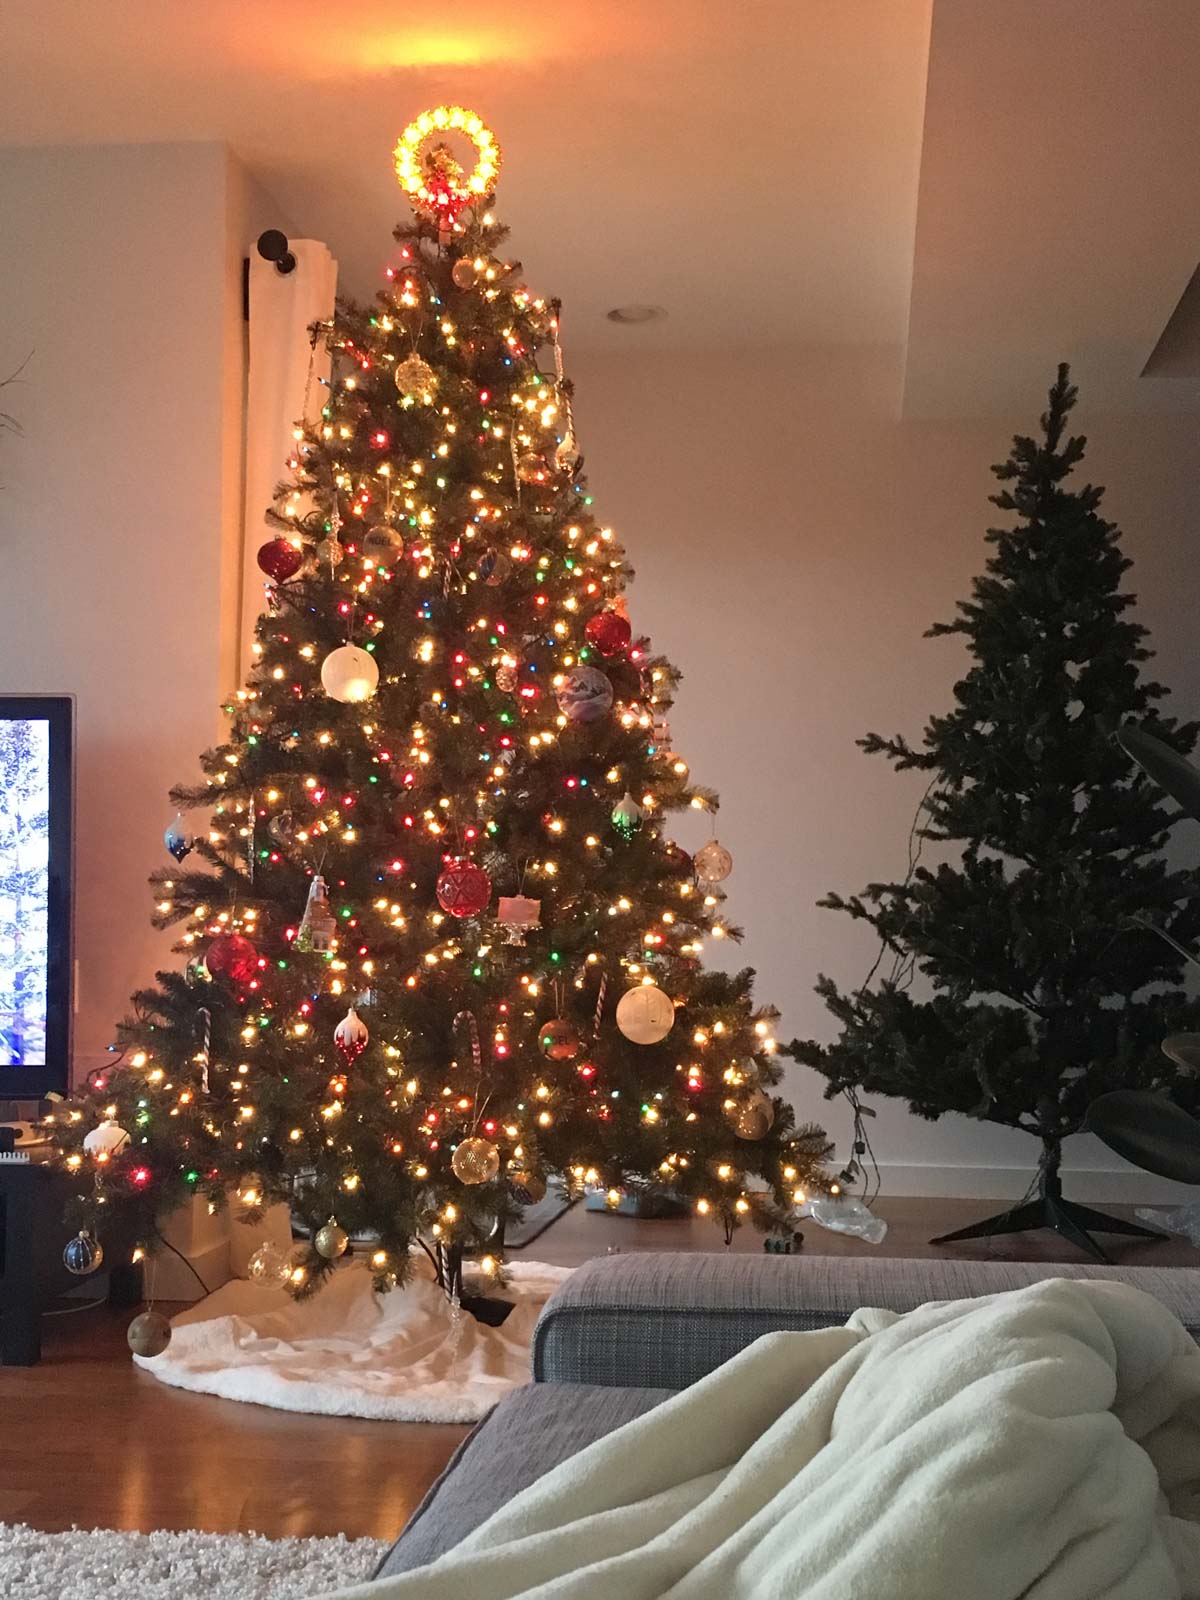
(36, 828)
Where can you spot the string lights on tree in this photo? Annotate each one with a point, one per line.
(437, 942)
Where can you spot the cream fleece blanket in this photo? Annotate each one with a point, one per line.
(1042, 1444)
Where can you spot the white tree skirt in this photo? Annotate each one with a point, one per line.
(349, 1352)
(178, 1566)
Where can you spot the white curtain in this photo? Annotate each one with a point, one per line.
(283, 387)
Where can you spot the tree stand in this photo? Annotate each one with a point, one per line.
(448, 1266)
(1048, 1209)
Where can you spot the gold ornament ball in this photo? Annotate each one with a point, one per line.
(506, 679)
(475, 1161)
(532, 468)
(149, 1334)
(751, 1116)
(558, 1039)
(645, 1014)
(331, 552)
(331, 1240)
(416, 379)
(567, 455)
(713, 862)
(382, 544)
(464, 273)
(528, 1187)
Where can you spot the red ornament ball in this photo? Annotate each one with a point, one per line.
(280, 559)
(232, 956)
(464, 889)
(609, 632)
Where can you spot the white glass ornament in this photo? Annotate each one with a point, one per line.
(349, 674)
(268, 1264)
(713, 862)
(645, 1014)
(475, 1161)
(627, 815)
(351, 1036)
(318, 926)
(106, 1140)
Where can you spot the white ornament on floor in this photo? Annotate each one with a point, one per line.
(81, 1565)
(349, 1352)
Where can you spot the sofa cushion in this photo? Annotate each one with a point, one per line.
(667, 1320)
(530, 1431)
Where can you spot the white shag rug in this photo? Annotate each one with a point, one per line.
(348, 1352)
(83, 1565)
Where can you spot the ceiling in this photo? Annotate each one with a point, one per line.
(989, 184)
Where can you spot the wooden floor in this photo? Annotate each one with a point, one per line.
(89, 1439)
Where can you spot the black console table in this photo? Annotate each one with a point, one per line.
(33, 1235)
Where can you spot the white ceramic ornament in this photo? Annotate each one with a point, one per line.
(645, 1014)
(106, 1140)
(349, 674)
(713, 862)
(585, 694)
(351, 1036)
(517, 913)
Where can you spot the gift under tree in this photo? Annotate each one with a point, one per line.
(438, 943)
(1049, 945)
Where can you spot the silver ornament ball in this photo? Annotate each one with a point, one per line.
(331, 1241)
(751, 1115)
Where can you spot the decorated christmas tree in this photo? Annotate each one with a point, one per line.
(1046, 977)
(438, 945)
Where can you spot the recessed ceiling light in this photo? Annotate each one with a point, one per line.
(636, 313)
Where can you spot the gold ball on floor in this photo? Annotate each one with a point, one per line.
(149, 1334)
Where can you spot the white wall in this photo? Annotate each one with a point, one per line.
(120, 504)
(792, 542)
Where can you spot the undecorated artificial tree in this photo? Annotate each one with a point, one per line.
(1046, 983)
(439, 945)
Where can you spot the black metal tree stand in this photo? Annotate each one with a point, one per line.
(1048, 1209)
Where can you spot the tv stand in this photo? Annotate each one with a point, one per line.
(33, 1235)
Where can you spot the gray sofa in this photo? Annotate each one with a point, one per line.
(625, 1332)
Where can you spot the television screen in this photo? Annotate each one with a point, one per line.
(35, 882)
